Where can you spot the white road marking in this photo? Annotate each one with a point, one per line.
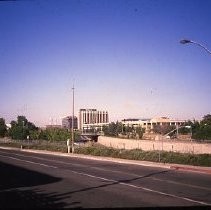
(27, 161)
(143, 188)
(111, 180)
(116, 171)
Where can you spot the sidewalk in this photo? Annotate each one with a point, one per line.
(198, 169)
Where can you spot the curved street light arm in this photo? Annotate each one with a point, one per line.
(186, 41)
(200, 45)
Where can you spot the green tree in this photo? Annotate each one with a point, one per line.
(203, 133)
(43, 135)
(206, 119)
(34, 134)
(112, 129)
(118, 128)
(140, 131)
(17, 132)
(55, 134)
(21, 120)
(21, 128)
(201, 130)
(3, 127)
(164, 129)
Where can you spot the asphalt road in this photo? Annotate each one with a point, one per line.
(41, 180)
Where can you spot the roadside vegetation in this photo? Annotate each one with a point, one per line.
(24, 134)
(23, 129)
(96, 149)
(137, 154)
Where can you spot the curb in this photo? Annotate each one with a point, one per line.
(197, 169)
(99, 158)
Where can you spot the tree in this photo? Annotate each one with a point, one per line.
(21, 128)
(3, 127)
(206, 119)
(34, 134)
(163, 129)
(21, 120)
(55, 134)
(201, 130)
(43, 135)
(140, 131)
(114, 129)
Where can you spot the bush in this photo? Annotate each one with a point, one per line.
(99, 150)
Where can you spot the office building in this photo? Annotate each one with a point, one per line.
(67, 122)
(92, 118)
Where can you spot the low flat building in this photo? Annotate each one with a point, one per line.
(53, 126)
(149, 124)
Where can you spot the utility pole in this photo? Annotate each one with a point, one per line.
(73, 120)
(177, 128)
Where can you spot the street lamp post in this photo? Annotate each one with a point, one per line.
(23, 128)
(73, 122)
(177, 129)
(187, 41)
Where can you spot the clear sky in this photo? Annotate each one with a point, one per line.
(124, 56)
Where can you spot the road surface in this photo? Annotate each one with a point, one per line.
(43, 180)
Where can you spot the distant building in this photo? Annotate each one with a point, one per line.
(92, 119)
(53, 126)
(67, 122)
(149, 124)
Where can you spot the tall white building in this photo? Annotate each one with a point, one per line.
(92, 118)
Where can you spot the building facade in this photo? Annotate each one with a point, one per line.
(67, 122)
(92, 118)
(148, 124)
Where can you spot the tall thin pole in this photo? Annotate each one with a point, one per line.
(177, 127)
(73, 121)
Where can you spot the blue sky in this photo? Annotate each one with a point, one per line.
(124, 56)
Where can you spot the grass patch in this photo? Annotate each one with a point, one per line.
(136, 154)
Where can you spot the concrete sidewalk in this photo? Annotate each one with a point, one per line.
(198, 169)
